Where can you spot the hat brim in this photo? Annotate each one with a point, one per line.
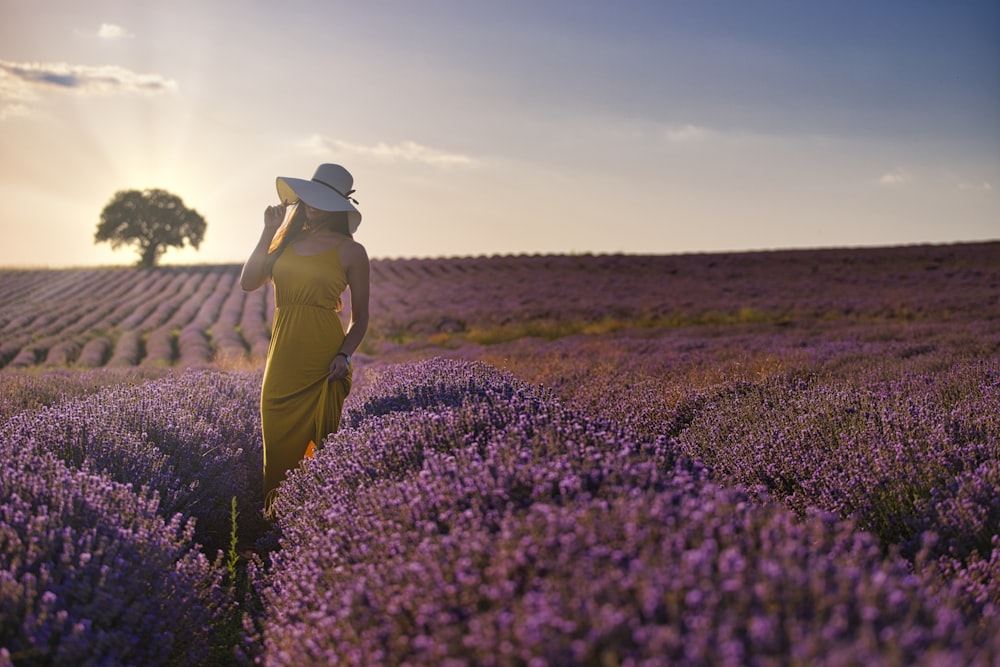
(317, 195)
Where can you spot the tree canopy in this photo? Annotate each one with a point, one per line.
(152, 220)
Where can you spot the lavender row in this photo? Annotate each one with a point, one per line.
(440, 462)
(905, 458)
(508, 529)
(190, 317)
(193, 439)
(892, 453)
(889, 424)
(116, 317)
(900, 284)
(29, 391)
(91, 572)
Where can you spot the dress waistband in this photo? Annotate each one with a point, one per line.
(307, 305)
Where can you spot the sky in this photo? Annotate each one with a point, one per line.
(477, 128)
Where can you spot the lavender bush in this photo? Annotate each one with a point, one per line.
(889, 424)
(193, 438)
(505, 529)
(901, 456)
(20, 391)
(90, 573)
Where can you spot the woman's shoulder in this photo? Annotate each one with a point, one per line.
(353, 254)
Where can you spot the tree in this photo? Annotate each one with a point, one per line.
(152, 220)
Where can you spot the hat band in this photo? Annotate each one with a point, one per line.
(347, 197)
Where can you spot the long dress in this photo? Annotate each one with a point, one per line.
(299, 404)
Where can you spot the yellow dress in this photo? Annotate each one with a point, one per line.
(299, 405)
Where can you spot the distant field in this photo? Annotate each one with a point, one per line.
(197, 315)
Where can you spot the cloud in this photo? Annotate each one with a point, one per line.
(111, 31)
(895, 177)
(108, 32)
(10, 108)
(22, 81)
(688, 133)
(405, 151)
(981, 187)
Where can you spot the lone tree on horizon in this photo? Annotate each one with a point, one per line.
(152, 220)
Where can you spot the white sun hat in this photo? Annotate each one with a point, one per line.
(329, 190)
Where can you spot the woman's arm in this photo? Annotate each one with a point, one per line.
(255, 271)
(358, 270)
(358, 277)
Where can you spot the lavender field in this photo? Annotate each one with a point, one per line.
(781, 458)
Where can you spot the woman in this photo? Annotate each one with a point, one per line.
(311, 257)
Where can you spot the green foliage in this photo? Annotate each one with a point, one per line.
(152, 220)
(233, 556)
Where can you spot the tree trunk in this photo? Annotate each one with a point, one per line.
(148, 256)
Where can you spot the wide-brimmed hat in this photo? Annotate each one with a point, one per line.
(329, 190)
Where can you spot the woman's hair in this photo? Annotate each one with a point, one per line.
(335, 220)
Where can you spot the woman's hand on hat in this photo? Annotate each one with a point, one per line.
(273, 217)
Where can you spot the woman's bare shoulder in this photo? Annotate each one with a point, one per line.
(353, 254)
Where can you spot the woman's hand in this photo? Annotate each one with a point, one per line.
(339, 368)
(273, 217)
(255, 271)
